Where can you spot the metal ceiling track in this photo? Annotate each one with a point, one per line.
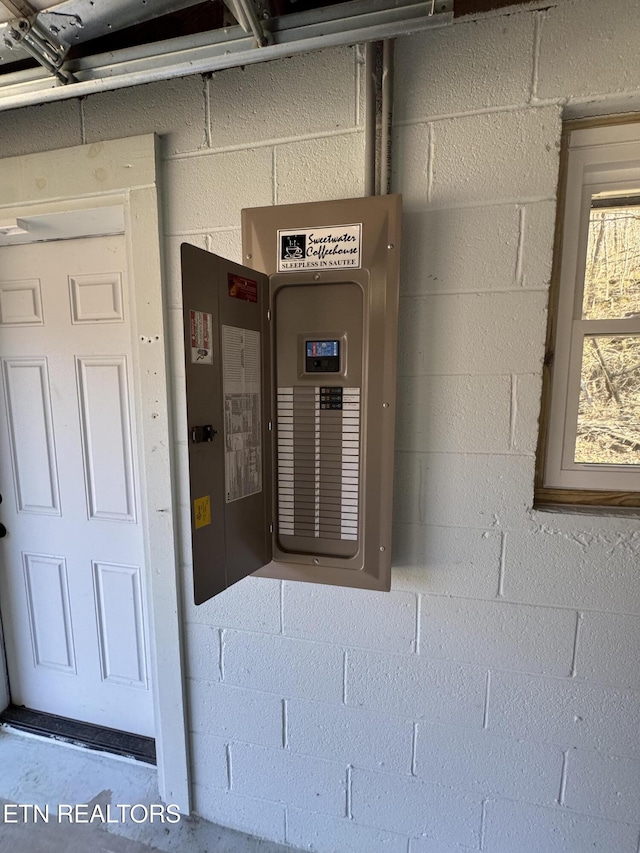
(353, 22)
(27, 34)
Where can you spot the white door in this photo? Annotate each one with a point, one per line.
(71, 566)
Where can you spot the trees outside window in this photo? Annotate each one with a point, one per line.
(589, 451)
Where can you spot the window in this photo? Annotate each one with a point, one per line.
(589, 450)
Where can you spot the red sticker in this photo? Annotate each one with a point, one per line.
(243, 288)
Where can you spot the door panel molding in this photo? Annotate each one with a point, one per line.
(113, 584)
(47, 584)
(31, 435)
(96, 298)
(21, 303)
(106, 437)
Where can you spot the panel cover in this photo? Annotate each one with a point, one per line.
(228, 410)
(334, 274)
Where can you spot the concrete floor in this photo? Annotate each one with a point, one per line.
(40, 771)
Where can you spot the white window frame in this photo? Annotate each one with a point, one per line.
(603, 161)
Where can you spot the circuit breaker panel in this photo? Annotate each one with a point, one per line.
(291, 369)
(318, 447)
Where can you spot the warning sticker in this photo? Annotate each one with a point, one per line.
(243, 288)
(201, 337)
(202, 512)
(336, 247)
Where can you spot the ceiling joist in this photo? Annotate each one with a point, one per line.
(341, 24)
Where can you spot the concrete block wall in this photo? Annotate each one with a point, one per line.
(543, 605)
(491, 701)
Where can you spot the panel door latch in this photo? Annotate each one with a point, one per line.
(202, 433)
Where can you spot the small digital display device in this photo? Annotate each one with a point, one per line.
(322, 357)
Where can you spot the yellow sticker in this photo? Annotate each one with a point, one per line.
(202, 511)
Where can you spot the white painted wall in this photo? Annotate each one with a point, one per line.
(493, 698)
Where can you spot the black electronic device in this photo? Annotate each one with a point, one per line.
(322, 356)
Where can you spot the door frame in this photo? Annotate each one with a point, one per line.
(124, 172)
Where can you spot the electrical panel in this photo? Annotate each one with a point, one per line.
(291, 378)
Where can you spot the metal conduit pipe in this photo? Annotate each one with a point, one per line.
(377, 170)
(386, 145)
(370, 119)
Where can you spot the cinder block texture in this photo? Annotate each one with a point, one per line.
(174, 109)
(588, 49)
(566, 712)
(323, 834)
(257, 817)
(211, 769)
(281, 99)
(499, 60)
(345, 616)
(230, 712)
(512, 826)
(40, 128)
(436, 260)
(439, 60)
(317, 169)
(537, 244)
(411, 165)
(472, 333)
(292, 668)
(519, 158)
(410, 805)
(227, 243)
(446, 560)
(407, 487)
(209, 190)
(495, 633)
(363, 738)
(603, 784)
(497, 489)
(203, 651)
(574, 568)
(428, 414)
(440, 691)
(253, 604)
(525, 409)
(280, 776)
(491, 765)
(607, 645)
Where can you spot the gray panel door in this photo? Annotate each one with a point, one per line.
(228, 364)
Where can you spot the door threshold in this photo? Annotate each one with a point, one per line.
(80, 734)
